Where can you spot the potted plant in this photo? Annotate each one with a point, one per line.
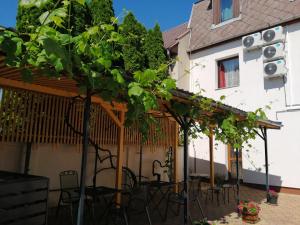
(203, 222)
(272, 197)
(249, 211)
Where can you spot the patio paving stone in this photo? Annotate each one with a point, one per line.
(286, 213)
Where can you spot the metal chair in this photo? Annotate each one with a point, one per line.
(227, 186)
(134, 196)
(131, 196)
(178, 199)
(69, 191)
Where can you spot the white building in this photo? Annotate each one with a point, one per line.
(214, 56)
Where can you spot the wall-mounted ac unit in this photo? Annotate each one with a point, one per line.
(273, 35)
(273, 52)
(275, 69)
(252, 41)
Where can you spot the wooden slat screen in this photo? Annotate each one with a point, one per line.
(39, 118)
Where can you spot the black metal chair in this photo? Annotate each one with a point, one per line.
(132, 195)
(134, 198)
(217, 189)
(228, 185)
(177, 199)
(69, 192)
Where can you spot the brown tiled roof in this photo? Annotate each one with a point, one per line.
(256, 15)
(171, 36)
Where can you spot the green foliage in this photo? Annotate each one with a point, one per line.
(90, 53)
(80, 17)
(93, 52)
(29, 13)
(33, 13)
(133, 51)
(101, 11)
(155, 52)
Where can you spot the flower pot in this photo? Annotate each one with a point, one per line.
(272, 200)
(250, 218)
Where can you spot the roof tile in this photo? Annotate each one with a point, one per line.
(255, 15)
(171, 36)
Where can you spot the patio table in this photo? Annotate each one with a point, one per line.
(200, 177)
(101, 192)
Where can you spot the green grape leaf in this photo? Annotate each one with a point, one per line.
(135, 90)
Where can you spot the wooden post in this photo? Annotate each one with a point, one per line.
(175, 147)
(120, 156)
(211, 158)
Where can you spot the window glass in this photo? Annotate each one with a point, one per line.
(1, 94)
(226, 10)
(228, 73)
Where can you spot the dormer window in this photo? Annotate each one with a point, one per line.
(225, 10)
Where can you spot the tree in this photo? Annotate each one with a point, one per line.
(154, 48)
(93, 58)
(28, 17)
(101, 11)
(80, 19)
(133, 51)
(90, 61)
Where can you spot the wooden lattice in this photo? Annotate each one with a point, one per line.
(34, 117)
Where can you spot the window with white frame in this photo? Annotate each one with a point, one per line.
(228, 73)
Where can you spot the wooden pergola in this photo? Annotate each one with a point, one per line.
(56, 92)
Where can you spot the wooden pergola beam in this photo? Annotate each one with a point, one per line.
(58, 92)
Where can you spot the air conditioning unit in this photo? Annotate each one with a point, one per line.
(273, 52)
(252, 41)
(273, 35)
(275, 69)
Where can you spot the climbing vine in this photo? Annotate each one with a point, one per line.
(94, 58)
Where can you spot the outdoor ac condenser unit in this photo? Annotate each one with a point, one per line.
(273, 52)
(252, 41)
(275, 69)
(273, 35)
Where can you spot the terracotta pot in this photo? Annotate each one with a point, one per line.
(250, 218)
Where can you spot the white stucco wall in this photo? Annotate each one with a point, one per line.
(180, 71)
(12, 157)
(50, 159)
(254, 92)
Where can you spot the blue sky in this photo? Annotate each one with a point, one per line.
(168, 13)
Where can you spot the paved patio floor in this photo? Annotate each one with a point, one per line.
(287, 212)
